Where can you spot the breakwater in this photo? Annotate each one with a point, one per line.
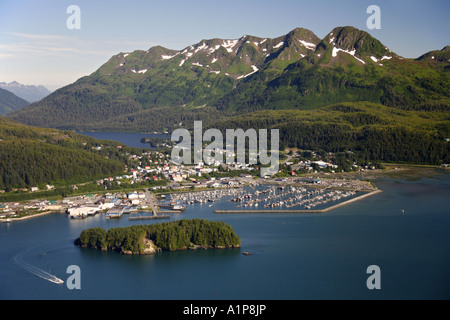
(30, 216)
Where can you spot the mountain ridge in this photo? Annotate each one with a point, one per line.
(30, 93)
(218, 79)
(160, 79)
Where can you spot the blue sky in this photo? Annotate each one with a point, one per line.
(36, 47)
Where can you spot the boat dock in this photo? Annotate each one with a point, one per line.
(152, 217)
(172, 207)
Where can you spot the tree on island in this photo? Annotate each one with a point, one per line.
(175, 235)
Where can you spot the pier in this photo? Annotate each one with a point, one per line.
(152, 217)
(170, 211)
(173, 208)
(155, 206)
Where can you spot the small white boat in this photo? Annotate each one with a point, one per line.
(56, 280)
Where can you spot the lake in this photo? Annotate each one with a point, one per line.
(404, 231)
(129, 139)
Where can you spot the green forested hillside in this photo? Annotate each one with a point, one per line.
(224, 82)
(34, 157)
(374, 131)
(348, 65)
(10, 102)
(160, 88)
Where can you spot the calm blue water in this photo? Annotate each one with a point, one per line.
(295, 256)
(129, 139)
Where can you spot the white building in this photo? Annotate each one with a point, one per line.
(78, 212)
(133, 195)
(106, 206)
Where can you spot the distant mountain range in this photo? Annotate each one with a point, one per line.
(29, 93)
(219, 80)
(10, 102)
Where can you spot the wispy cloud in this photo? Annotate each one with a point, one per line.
(36, 36)
(29, 50)
(55, 60)
(6, 55)
(28, 45)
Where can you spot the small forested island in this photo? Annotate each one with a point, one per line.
(172, 236)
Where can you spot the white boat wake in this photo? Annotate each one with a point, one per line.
(36, 271)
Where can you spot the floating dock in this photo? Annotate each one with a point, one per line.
(170, 211)
(153, 217)
(172, 207)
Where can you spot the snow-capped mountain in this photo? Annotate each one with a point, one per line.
(162, 88)
(29, 93)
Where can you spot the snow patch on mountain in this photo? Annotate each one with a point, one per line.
(139, 71)
(279, 45)
(214, 49)
(229, 44)
(308, 45)
(165, 57)
(202, 47)
(255, 69)
(352, 53)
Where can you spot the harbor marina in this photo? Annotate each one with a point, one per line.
(271, 198)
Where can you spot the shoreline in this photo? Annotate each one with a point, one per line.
(31, 216)
(367, 176)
